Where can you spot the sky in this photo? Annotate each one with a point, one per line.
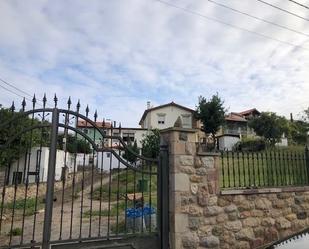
(117, 55)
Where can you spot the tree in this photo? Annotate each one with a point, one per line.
(298, 131)
(20, 144)
(151, 144)
(74, 144)
(269, 126)
(128, 155)
(211, 113)
(306, 115)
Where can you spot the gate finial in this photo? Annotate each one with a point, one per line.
(44, 100)
(87, 111)
(23, 104)
(69, 103)
(55, 100)
(95, 116)
(33, 101)
(78, 106)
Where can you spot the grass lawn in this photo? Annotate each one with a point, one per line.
(21, 204)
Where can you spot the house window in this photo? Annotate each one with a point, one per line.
(161, 118)
(17, 177)
(128, 137)
(186, 120)
(108, 154)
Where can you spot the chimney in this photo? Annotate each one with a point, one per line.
(291, 117)
(148, 105)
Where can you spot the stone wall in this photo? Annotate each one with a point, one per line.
(202, 216)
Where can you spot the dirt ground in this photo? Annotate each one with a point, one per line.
(80, 226)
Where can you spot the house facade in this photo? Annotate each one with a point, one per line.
(236, 123)
(165, 116)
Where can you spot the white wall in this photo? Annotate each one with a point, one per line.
(227, 142)
(171, 115)
(20, 165)
(109, 161)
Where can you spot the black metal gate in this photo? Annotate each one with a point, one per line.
(68, 179)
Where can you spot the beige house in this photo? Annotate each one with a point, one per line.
(165, 116)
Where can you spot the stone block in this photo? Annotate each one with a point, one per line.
(268, 222)
(271, 235)
(263, 204)
(201, 171)
(195, 178)
(231, 208)
(245, 234)
(222, 202)
(233, 226)
(187, 170)
(302, 215)
(283, 223)
(190, 240)
(181, 223)
(208, 162)
(222, 218)
(212, 201)
(186, 160)
(194, 223)
(210, 242)
(256, 243)
(190, 148)
(194, 188)
(217, 230)
(181, 182)
(291, 217)
(233, 216)
(257, 213)
(251, 222)
(279, 203)
(212, 211)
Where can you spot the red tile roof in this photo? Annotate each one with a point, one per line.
(235, 117)
(83, 124)
(247, 112)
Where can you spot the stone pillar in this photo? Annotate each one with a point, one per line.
(193, 188)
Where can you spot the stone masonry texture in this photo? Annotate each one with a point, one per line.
(209, 219)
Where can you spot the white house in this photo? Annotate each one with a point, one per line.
(27, 167)
(165, 116)
(227, 141)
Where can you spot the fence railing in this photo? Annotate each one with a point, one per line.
(273, 168)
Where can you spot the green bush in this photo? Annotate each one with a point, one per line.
(15, 232)
(250, 144)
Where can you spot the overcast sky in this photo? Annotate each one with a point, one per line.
(116, 55)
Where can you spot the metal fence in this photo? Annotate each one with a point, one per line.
(105, 197)
(270, 168)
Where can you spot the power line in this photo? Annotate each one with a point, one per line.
(11, 85)
(300, 4)
(14, 93)
(230, 25)
(286, 11)
(258, 18)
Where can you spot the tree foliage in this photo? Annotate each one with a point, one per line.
(211, 113)
(269, 126)
(298, 131)
(20, 144)
(128, 155)
(151, 144)
(73, 144)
